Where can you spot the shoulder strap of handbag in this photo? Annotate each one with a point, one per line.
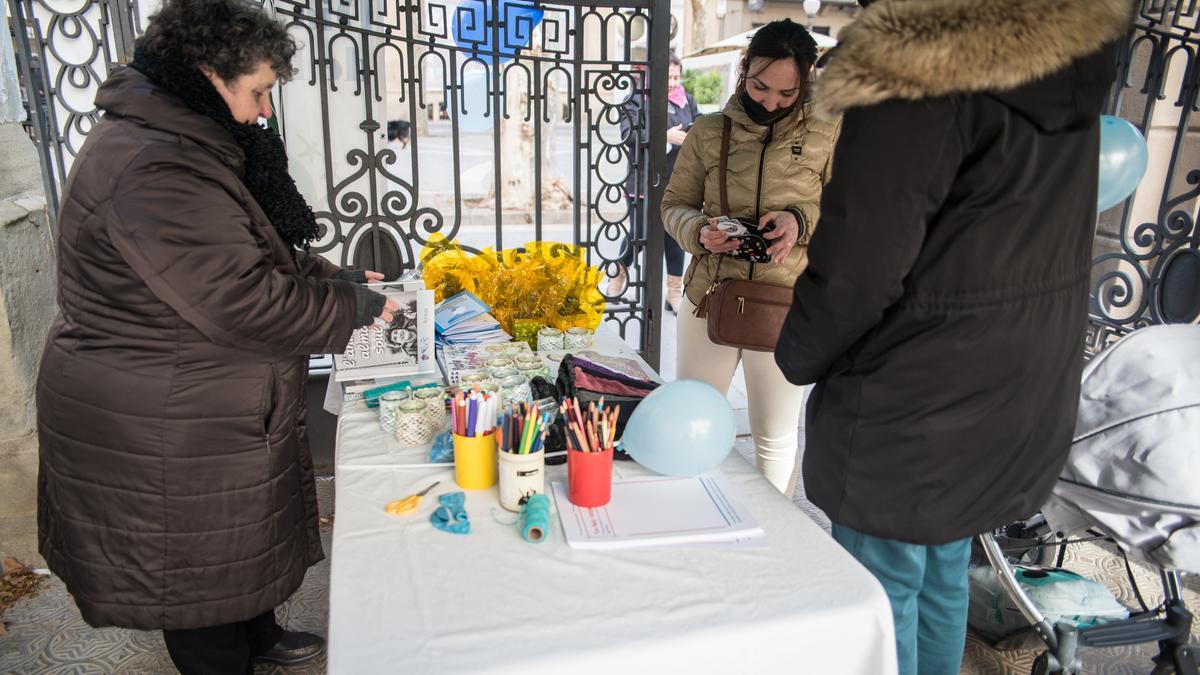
(722, 177)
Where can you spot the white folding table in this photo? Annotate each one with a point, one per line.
(406, 598)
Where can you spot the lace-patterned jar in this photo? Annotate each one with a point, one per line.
(413, 426)
(435, 404)
(549, 339)
(577, 338)
(388, 404)
(515, 389)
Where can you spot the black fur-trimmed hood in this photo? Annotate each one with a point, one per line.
(914, 49)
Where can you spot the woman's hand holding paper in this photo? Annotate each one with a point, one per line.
(715, 240)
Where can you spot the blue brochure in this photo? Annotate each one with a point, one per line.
(460, 307)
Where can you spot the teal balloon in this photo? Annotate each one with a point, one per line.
(681, 429)
(1123, 158)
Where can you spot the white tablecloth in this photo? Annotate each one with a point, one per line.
(406, 598)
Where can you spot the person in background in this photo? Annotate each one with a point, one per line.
(943, 311)
(777, 164)
(398, 132)
(175, 483)
(635, 127)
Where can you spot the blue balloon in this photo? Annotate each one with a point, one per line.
(1123, 158)
(681, 429)
(473, 30)
(473, 116)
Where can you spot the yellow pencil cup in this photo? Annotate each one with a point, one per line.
(475, 461)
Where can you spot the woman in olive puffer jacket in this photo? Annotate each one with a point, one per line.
(778, 161)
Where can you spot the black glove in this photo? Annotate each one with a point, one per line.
(351, 275)
(368, 304)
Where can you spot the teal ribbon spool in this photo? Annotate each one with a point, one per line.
(534, 521)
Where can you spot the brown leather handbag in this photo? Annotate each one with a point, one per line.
(742, 313)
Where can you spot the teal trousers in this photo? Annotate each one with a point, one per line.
(927, 587)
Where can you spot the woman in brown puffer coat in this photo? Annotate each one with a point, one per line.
(175, 488)
(778, 161)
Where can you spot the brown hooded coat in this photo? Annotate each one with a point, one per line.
(175, 486)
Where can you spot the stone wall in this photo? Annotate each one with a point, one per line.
(27, 307)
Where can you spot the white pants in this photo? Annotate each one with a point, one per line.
(775, 403)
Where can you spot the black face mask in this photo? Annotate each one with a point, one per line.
(760, 115)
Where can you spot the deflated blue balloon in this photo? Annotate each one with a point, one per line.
(1123, 158)
(681, 429)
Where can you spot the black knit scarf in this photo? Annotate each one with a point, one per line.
(266, 168)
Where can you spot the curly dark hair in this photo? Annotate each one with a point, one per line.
(228, 37)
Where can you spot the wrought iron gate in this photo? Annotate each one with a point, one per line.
(1148, 269)
(531, 92)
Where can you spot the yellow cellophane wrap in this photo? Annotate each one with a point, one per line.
(547, 282)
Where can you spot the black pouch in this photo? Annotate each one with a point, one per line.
(567, 388)
(556, 433)
(752, 245)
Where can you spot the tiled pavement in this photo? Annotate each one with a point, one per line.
(46, 634)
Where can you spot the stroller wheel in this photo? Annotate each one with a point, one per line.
(1047, 664)
(1041, 665)
(1026, 542)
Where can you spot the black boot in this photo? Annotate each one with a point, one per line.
(293, 648)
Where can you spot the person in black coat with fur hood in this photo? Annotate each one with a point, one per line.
(943, 311)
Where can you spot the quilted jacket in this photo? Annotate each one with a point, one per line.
(769, 169)
(175, 485)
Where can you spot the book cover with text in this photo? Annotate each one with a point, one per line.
(404, 346)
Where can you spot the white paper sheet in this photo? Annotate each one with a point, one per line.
(660, 511)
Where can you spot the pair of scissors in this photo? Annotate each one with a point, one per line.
(403, 507)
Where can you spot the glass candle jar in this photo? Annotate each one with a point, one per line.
(388, 404)
(469, 377)
(435, 404)
(523, 360)
(532, 370)
(549, 339)
(548, 408)
(577, 338)
(515, 389)
(413, 427)
(504, 373)
(497, 362)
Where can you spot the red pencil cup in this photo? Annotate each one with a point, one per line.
(589, 477)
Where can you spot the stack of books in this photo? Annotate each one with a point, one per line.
(402, 348)
(463, 319)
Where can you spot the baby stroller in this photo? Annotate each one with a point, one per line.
(1133, 476)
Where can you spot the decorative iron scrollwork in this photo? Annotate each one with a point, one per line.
(1152, 276)
(546, 67)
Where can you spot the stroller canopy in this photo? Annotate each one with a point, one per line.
(1134, 468)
